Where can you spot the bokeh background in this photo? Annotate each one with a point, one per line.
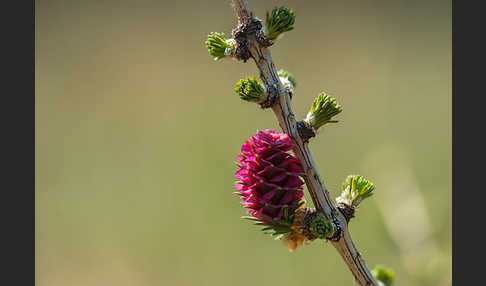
(137, 129)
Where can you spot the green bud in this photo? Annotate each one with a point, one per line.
(250, 89)
(355, 189)
(322, 110)
(321, 227)
(283, 74)
(384, 275)
(219, 46)
(280, 20)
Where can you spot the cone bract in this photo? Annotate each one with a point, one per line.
(269, 180)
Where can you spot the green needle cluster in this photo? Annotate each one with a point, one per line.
(250, 89)
(280, 20)
(323, 109)
(288, 76)
(217, 43)
(356, 188)
(321, 227)
(384, 275)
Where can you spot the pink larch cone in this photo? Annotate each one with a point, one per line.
(269, 177)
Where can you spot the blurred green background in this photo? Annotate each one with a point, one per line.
(137, 129)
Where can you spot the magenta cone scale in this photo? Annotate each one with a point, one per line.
(268, 177)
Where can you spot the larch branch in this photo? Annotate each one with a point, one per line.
(341, 239)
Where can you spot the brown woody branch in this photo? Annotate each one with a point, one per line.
(248, 35)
